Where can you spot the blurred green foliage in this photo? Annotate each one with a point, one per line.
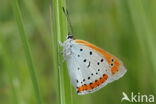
(125, 28)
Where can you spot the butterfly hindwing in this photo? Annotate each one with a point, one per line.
(90, 67)
(86, 67)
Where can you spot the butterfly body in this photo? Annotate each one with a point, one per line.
(90, 68)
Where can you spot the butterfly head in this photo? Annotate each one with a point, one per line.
(67, 44)
(69, 36)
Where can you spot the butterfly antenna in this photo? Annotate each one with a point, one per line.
(65, 11)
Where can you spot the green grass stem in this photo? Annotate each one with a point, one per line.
(23, 36)
(59, 32)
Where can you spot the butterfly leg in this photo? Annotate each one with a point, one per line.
(61, 53)
(60, 43)
(62, 60)
(61, 63)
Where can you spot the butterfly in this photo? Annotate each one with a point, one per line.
(90, 68)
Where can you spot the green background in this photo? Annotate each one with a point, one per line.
(125, 28)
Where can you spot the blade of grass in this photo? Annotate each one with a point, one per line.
(56, 37)
(64, 28)
(24, 40)
(59, 27)
(54, 56)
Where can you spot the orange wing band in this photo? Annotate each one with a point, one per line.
(92, 85)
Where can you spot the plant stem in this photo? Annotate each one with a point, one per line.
(18, 15)
(59, 27)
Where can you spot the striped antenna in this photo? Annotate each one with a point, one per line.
(65, 11)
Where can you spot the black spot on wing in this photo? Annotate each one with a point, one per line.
(112, 60)
(84, 60)
(101, 60)
(78, 68)
(77, 81)
(98, 63)
(90, 52)
(89, 64)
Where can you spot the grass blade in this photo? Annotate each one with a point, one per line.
(24, 40)
(56, 37)
(59, 27)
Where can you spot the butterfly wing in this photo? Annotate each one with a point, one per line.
(89, 69)
(117, 68)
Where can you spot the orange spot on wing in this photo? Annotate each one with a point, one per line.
(80, 89)
(101, 51)
(115, 68)
(88, 87)
(93, 85)
(117, 63)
